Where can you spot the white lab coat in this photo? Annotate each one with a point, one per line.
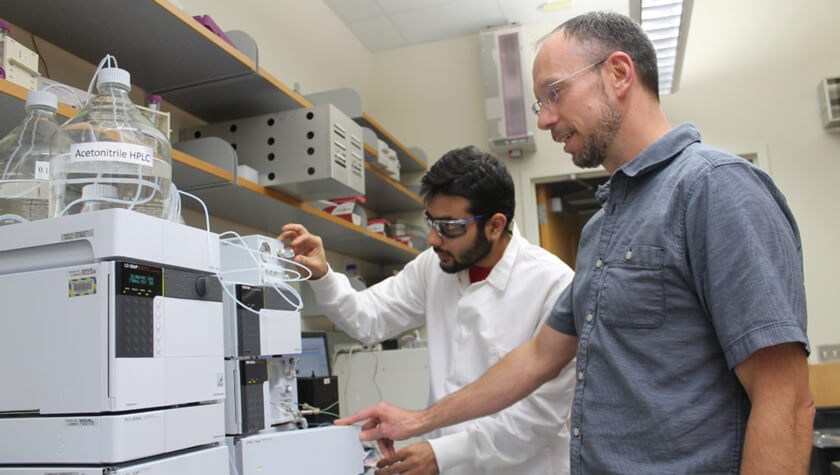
(471, 327)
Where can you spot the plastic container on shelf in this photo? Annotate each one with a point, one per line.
(110, 155)
(153, 102)
(152, 111)
(18, 64)
(356, 280)
(25, 161)
(4, 32)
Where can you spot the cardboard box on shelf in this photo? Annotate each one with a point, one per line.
(349, 209)
(378, 225)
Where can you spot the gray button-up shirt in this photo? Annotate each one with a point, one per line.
(693, 263)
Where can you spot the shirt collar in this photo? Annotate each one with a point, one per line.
(500, 275)
(656, 155)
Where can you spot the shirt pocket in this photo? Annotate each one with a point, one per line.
(633, 294)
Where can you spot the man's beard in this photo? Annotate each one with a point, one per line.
(594, 150)
(479, 250)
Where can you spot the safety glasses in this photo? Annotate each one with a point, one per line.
(450, 228)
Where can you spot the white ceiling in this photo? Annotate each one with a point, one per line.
(386, 24)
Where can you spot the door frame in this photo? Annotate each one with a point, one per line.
(529, 180)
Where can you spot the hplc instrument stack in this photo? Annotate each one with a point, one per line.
(111, 346)
(262, 345)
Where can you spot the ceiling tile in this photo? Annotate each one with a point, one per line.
(350, 10)
(456, 18)
(396, 23)
(377, 34)
(393, 6)
(528, 12)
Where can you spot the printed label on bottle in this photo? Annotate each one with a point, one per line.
(42, 170)
(112, 152)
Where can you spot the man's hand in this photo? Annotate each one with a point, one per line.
(384, 421)
(309, 249)
(415, 459)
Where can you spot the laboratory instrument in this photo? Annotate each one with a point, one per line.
(208, 461)
(262, 328)
(111, 339)
(329, 450)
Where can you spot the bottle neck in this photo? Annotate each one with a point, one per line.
(113, 89)
(42, 112)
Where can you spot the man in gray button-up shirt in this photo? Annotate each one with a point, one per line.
(687, 310)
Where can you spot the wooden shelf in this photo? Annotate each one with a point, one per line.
(409, 161)
(385, 195)
(261, 207)
(166, 51)
(244, 201)
(171, 54)
(249, 203)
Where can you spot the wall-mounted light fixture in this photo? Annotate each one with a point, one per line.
(666, 23)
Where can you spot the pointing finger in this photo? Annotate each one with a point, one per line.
(358, 416)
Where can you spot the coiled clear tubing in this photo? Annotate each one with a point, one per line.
(110, 155)
(25, 160)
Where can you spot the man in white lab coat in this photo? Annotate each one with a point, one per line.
(481, 290)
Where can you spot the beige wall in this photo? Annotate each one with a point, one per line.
(749, 83)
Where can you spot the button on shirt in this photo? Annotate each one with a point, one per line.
(470, 327)
(693, 263)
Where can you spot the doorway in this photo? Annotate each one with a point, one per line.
(563, 208)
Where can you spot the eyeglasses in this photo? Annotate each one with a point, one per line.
(553, 94)
(450, 228)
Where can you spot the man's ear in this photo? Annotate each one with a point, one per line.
(622, 72)
(496, 225)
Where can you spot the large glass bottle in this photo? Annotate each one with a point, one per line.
(110, 155)
(25, 161)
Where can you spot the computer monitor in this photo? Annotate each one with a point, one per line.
(314, 357)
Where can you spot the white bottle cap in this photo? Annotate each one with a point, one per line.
(112, 76)
(99, 190)
(42, 98)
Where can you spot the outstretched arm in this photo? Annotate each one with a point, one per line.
(383, 310)
(781, 423)
(512, 378)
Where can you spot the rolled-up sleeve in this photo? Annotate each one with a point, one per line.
(745, 254)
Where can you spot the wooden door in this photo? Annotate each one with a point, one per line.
(559, 232)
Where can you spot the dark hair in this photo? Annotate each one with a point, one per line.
(608, 32)
(477, 176)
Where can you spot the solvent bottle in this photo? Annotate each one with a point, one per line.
(25, 161)
(110, 155)
(356, 280)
